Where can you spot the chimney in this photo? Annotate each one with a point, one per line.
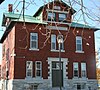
(10, 7)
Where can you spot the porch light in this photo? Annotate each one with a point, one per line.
(60, 39)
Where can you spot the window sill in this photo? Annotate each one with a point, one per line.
(28, 78)
(34, 79)
(81, 78)
(79, 51)
(57, 22)
(84, 78)
(34, 49)
(57, 50)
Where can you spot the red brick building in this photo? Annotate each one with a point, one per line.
(30, 52)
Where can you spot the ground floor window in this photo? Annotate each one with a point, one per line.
(38, 69)
(29, 69)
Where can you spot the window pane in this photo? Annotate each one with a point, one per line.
(29, 73)
(38, 65)
(79, 47)
(78, 86)
(34, 44)
(53, 46)
(33, 40)
(62, 46)
(53, 41)
(75, 68)
(83, 69)
(51, 16)
(83, 73)
(38, 73)
(38, 69)
(62, 17)
(29, 68)
(76, 73)
(54, 65)
(78, 43)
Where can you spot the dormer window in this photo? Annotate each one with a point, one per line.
(62, 17)
(51, 16)
(57, 7)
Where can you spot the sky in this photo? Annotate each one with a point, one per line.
(33, 6)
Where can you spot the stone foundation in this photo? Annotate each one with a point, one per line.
(44, 84)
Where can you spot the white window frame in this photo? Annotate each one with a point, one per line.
(79, 38)
(31, 40)
(51, 16)
(62, 17)
(38, 69)
(29, 69)
(53, 41)
(57, 7)
(83, 70)
(75, 67)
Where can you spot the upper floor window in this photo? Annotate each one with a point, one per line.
(57, 7)
(75, 69)
(29, 68)
(78, 43)
(62, 46)
(51, 16)
(34, 40)
(38, 65)
(83, 69)
(53, 42)
(62, 17)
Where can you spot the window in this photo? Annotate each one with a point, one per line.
(75, 69)
(81, 86)
(62, 17)
(51, 16)
(78, 43)
(53, 42)
(56, 65)
(33, 40)
(38, 66)
(62, 46)
(83, 69)
(29, 68)
(57, 7)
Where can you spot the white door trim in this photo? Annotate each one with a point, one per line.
(65, 63)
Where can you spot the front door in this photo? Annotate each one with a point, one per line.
(57, 77)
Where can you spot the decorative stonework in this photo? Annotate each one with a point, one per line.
(65, 63)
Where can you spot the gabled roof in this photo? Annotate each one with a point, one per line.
(41, 8)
